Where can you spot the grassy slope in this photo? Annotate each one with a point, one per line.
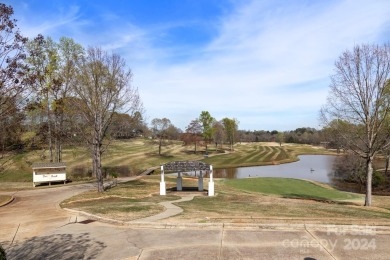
(137, 154)
(139, 198)
(250, 155)
(253, 154)
(253, 198)
(141, 154)
(290, 188)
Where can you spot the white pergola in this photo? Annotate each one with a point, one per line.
(187, 166)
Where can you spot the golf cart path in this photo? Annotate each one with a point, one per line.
(171, 210)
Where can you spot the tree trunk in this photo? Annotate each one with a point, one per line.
(159, 147)
(97, 166)
(368, 200)
(2, 142)
(59, 132)
(57, 140)
(387, 164)
(55, 156)
(49, 134)
(59, 150)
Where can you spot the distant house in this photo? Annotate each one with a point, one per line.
(48, 173)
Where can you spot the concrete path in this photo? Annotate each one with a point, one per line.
(171, 210)
(34, 227)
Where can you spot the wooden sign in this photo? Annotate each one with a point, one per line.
(183, 166)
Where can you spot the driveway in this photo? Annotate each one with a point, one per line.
(34, 227)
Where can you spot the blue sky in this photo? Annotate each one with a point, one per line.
(265, 62)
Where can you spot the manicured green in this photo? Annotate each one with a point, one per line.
(136, 155)
(290, 188)
(251, 155)
(254, 154)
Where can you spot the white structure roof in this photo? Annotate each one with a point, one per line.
(48, 165)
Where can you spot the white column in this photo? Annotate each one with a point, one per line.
(33, 178)
(163, 190)
(211, 182)
(200, 182)
(179, 182)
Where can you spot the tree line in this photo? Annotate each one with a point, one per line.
(204, 130)
(301, 135)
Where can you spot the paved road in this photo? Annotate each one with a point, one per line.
(34, 227)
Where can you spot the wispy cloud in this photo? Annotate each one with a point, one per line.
(266, 63)
(266, 59)
(49, 23)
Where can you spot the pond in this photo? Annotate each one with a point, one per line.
(310, 167)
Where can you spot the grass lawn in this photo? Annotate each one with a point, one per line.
(291, 188)
(137, 155)
(254, 154)
(246, 200)
(251, 155)
(127, 201)
(4, 199)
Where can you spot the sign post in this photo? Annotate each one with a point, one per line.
(163, 190)
(211, 182)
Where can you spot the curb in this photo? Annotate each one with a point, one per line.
(231, 226)
(7, 202)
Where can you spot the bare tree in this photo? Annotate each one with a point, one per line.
(12, 55)
(218, 133)
(173, 132)
(160, 126)
(126, 126)
(103, 88)
(13, 80)
(357, 104)
(194, 131)
(350, 167)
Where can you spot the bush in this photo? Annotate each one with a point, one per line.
(378, 179)
(122, 171)
(351, 168)
(80, 173)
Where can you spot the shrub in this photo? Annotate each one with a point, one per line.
(378, 179)
(352, 168)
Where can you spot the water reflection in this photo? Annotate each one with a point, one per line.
(311, 167)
